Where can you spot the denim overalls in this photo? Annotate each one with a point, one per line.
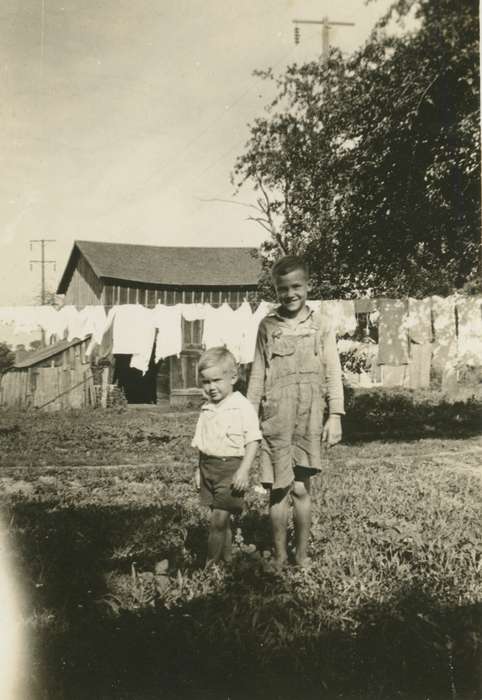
(293, 403)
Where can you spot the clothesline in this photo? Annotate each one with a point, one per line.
(450, 327)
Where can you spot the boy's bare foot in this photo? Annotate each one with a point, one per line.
(304, 563)
(280, 563)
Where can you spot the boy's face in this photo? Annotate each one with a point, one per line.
(292, 291)
(218, 382)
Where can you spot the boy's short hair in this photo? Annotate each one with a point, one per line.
(288, 264)
(217, 356)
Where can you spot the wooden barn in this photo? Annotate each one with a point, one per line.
(114, 273)
(52, 378)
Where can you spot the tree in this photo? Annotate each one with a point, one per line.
(50, 298)
(370, 165)
(7, 357)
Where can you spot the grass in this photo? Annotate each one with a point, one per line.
(117, 604)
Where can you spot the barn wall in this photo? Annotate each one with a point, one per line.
(61, 382)
(116, 292)
(84, 288)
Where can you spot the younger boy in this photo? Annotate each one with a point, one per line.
(227, 436)
(296, 368)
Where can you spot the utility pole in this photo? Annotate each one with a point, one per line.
(42, 262)
(326, 25)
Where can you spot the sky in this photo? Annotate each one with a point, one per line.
(120, 119)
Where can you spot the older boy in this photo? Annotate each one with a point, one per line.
(296, 367)
(227, 436)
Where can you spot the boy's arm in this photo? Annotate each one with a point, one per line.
(252, 437)
(197, 474)
(196, 442)
(256, 377)
(241, 477)
(332, 431)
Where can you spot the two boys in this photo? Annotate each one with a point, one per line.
(296, 369)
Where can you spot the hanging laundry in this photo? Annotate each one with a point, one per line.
(262, 310)
(167, 321)
(313, 304)
(232, 329)
(420, 365)
(365, 306)
(133, 333)
(419, 320)
(94, 320)
(394, 375)
(392, 334)
(469, 312)
(77, 325)
(48, 322)
(340, 315)
(68, 322)
(248, 344)
(95, 324)
(193, 312)
(444, 359)
(218, 326)
(242, 334)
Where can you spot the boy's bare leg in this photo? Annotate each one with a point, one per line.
(302, 519)
(217, 534)
(279, 509)
(228, 543)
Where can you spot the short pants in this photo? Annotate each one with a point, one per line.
(216, 483)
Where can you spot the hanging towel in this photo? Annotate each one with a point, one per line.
(340, 315)
(392, 334)
(242, 334)
(168, 322)
(218, 326)
(469, 311)
(419, 320)
(365, 305)
(394, 375)
(67, 322)
(193, 312)
(249, 340)
(420, 364)
(445, 339)
(133, 333)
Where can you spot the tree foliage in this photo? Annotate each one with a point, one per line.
(370, 164)
(7, 357)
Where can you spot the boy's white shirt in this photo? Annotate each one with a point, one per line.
(225, 428)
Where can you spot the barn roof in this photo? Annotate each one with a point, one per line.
(33, 358)
(166, 266)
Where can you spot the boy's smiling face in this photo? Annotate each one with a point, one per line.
(292, 291)
(217, 382)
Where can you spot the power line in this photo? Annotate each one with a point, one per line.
(167, 164)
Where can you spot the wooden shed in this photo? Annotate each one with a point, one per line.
(55, 377)
(118, 273)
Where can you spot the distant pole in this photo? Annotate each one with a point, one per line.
(326, 25)
(42, 262)
(325, 38)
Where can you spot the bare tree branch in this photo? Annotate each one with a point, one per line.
(226, 201)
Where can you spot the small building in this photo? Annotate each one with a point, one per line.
(55, 377)
(117, 273)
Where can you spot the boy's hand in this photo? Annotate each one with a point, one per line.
(241, 479)
(332, 431)
(197, 479)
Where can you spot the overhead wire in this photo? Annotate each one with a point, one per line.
(222, 113)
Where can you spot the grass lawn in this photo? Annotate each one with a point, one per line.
(107, 540)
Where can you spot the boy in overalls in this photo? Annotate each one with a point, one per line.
(296, 369)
